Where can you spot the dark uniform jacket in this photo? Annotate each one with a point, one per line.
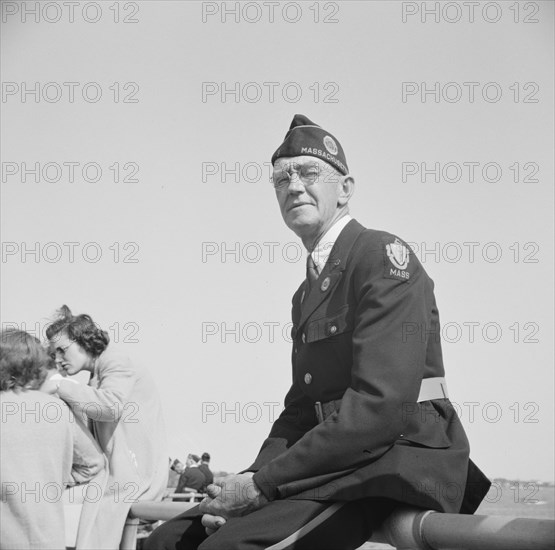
(191, 478)
(208, 475)
(365, 336)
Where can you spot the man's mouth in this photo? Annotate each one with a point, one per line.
(296, 205)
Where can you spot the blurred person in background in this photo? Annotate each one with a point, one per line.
(191, 477)
(124, 411)
(175, 470)
(177, 466)
(44, 449)
(204, 467)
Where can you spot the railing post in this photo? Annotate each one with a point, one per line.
(491, 532)
(403, 529)
(129, 536)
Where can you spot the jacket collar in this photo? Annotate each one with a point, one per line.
(332, 271)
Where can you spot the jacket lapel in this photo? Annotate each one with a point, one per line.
(328, 279)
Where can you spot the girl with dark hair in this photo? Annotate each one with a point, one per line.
(124, 410)
(44, 449)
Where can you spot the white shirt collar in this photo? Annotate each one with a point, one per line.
(322, 251)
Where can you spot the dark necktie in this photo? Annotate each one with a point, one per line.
(311, 272)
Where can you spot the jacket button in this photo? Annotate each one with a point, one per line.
(307, 378)
(303, 337)
(333, 329)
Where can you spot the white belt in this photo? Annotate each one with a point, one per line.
(433, 388)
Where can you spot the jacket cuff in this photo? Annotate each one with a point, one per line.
(267, 487)
(247, 470)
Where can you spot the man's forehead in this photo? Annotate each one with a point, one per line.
(283, 163)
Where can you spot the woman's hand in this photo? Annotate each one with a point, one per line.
(51, 384)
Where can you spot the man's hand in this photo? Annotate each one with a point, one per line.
(231, 496)
(212, 523)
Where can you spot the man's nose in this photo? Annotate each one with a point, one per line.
(296, 186)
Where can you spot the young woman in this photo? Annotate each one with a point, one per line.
(125, 414)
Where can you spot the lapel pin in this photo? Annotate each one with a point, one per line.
(325, 284)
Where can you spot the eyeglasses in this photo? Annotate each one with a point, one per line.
(62, 349)
(307, 173)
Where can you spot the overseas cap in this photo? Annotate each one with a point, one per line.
(307, 138)
(196, 458)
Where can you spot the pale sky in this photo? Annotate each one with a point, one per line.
(153, 140)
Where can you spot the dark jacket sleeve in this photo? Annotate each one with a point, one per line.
(182, 483)
(387, 368)
(296, 419)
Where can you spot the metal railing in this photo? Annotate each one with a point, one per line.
(405, 529)
(189, 496)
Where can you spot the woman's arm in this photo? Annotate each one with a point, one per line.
(106, 402)
(88, 459)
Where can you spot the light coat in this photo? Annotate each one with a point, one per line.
(43, 450)
(125, 415)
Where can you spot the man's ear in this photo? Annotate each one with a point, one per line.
(347, 188)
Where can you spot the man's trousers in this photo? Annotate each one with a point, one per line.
(280, 525)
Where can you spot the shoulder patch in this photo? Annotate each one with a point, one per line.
(396, 260)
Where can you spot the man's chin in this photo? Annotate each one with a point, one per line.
(299, 227)
(299, 220)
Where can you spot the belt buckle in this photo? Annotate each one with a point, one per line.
(319, 411)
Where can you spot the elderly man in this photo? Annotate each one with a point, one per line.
(367, 422)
